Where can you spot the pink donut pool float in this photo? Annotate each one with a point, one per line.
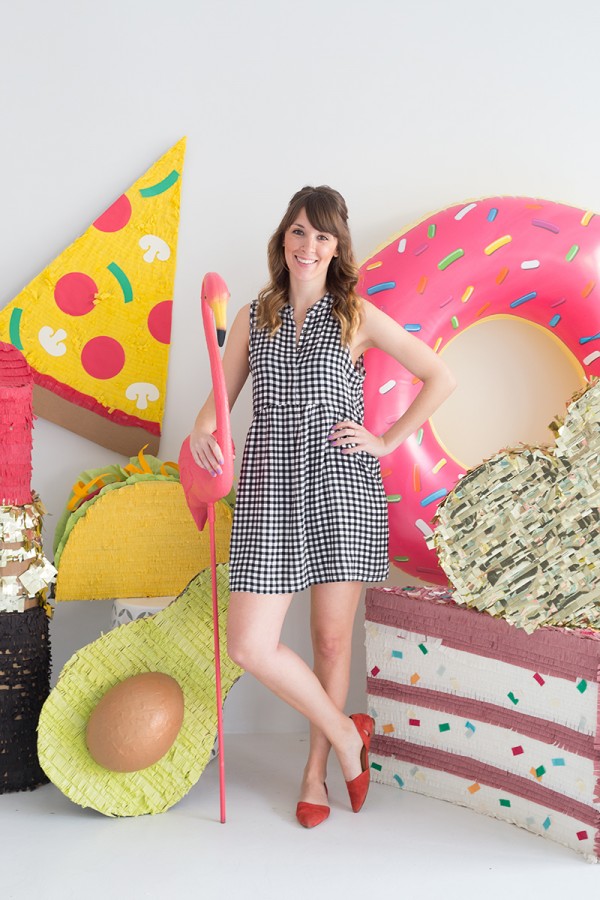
(496, 257)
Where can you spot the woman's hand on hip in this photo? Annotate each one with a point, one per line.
(352, 438)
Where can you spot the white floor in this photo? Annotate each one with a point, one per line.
(400, 845)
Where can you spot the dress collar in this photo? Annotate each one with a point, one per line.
(323, 301)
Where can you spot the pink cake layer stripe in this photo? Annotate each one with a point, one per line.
(536, 728)
(565, 653)
(474, 771)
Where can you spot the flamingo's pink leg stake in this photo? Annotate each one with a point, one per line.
(202, 490)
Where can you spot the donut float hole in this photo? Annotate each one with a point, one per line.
(513, 378)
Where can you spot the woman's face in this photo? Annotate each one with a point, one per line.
(308, 251)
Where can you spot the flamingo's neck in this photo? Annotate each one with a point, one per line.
(218, 378)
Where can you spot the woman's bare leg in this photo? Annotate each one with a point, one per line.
(253, 641)
(333, 610)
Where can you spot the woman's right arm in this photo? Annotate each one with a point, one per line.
(236, 369)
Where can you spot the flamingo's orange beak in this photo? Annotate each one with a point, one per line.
(216, 294)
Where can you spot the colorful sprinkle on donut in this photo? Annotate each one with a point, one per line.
(436, 495)
(384, 286)
(448, 260)
(464, 211)
(495, 245)
(572, 253)
(540, 223)
(591, 337)
(524, 299)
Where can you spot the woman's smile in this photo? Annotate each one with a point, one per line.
(308, 251)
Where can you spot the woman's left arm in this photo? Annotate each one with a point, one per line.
(381, 331)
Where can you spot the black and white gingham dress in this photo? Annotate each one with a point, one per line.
(305, 512)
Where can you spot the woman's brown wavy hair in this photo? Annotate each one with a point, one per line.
(326, 211)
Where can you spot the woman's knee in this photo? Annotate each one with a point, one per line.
(240, 651)
(331, 646)
(254, 627)
(247, 648)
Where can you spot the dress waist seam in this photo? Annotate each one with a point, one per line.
(300, 404)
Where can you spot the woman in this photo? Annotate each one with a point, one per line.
(310, 507)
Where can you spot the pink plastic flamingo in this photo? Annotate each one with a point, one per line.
(202, 490)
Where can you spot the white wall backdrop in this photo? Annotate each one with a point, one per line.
(405, 107)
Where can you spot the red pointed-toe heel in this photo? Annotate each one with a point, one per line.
(359, 786)
(311, 814)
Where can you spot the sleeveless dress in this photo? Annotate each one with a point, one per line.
(305, 512)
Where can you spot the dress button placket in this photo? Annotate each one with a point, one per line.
(298, 348)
